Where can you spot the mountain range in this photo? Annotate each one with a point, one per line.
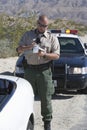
(75, 10)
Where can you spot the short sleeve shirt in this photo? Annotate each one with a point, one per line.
(47, 42)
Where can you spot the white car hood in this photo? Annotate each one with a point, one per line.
(12, 78)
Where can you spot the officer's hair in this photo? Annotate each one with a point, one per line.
(42, 17)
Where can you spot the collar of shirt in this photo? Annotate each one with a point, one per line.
(45, 34)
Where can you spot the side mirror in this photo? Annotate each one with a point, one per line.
(85, 45)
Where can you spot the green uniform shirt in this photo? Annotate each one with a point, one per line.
(47, 42)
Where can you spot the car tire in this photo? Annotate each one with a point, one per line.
(30, 126)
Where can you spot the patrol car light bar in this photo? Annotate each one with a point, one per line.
(67, 31)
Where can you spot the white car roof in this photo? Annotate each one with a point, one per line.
(69, 36)
(65, 35)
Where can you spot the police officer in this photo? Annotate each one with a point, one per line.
(40, 47)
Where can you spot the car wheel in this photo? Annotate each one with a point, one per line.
(30, 126)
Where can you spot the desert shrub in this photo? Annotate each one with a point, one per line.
(12, 28)
(6, 49)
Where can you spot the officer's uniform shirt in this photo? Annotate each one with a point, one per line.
(47, 42)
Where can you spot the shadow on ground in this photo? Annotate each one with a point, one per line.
(63, 95)
(7, 73)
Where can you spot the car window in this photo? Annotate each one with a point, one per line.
(70, 45)
(2, 85)
(5, 86)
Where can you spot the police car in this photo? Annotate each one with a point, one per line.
(16, 104)
(70, 70)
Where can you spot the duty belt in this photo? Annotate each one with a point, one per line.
(40, 66)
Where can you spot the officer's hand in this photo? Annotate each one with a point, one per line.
(25, 47)
(30, 46)
(41, 53)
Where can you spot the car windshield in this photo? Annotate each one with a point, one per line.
(70, 45)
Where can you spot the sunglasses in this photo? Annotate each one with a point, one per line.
(41, 25)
